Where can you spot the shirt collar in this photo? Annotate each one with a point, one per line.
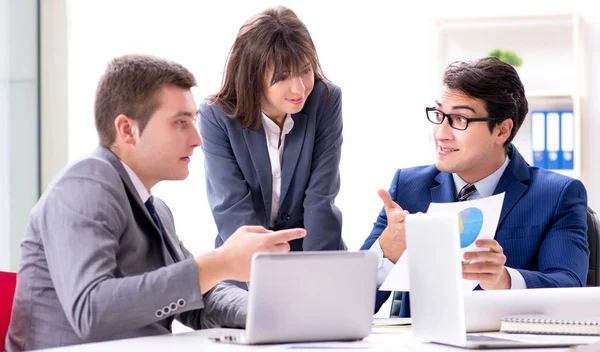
(271, 127)
(486, 186)
(137, 183)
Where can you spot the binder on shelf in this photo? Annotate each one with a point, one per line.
(553, 139)
(538, 138)
(553, 155)
(566, 139)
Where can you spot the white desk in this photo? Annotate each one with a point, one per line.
(197, 341)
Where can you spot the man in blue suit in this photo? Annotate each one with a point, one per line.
(541, 236)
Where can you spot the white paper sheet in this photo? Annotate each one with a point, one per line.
(481, 218)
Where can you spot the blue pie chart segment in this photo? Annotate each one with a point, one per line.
(470, 223)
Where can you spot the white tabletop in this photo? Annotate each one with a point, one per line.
(396, 339)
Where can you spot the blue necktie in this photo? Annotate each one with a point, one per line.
(150, 206)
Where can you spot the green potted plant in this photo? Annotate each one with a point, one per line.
(508, 56)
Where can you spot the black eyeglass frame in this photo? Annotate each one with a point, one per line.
(450, 120)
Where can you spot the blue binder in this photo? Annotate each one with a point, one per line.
(552, 138)
(553, 154)
(567, 139)
(538, 138)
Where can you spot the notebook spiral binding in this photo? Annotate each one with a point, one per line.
(548, 325)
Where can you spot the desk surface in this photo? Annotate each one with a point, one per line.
(396, 339)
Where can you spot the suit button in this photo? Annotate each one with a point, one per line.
(181, 302)
(285, 217)
(173, 306)
(159, 313)
(166, 310)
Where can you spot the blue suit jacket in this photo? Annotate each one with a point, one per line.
(239, 176)
(542, 227)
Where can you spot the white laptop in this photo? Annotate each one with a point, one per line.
(437, 302)
(308, 296)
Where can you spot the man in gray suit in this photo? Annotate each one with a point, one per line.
(101, 259)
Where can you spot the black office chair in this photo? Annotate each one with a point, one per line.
(593, 277)
(593, 235)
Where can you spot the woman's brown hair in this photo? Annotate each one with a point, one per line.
(273, 39)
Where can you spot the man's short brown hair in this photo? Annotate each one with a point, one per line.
(130, 86)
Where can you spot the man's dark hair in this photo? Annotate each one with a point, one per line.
(497, 84)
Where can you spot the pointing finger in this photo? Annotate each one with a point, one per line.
(284, 236)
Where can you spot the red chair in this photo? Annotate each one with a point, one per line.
(8, 283)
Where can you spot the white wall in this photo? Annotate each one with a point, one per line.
(19, 161)
(53, 105)
(4, 141)
(377, 51)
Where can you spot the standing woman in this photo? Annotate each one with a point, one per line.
(272, 136)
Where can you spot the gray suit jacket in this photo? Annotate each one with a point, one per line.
(94, 267)
(239, 176)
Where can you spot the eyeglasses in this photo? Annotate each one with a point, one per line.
(458, 122)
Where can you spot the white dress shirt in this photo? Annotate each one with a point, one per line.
(137, 183)
(485, 188)
(275, 146)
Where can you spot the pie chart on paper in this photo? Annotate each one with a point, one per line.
(470, 221)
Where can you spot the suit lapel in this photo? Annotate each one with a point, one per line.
(445, 192)
(133, 196)
(174, 246)
(513, 182)
(293, 146)
(169, 237)
(257, 147)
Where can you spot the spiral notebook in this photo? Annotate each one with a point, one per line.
(550, 325)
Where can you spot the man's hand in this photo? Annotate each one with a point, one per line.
(247, 240)
(231, 261)
(490, 272)
(393, 238)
